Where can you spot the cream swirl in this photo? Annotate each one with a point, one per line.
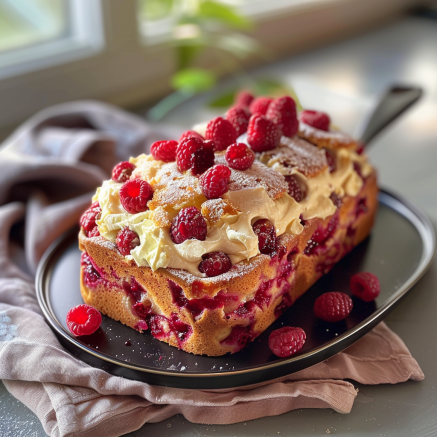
(232, 233)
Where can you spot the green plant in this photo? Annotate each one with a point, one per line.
(199, 27)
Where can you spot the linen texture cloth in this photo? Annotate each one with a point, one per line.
(49, 170)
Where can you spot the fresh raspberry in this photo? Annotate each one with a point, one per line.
(266, 233)
(365, 285)
(282, 112)
(296, 188)
(262, 134)
(134, 195)
(333, 306)
(317, 119)
(221, 132)
(243, 98)
(190, 134)
(195, 154)
(214, 264)
(214, 182)
(122, 171)
(164, 150)
(83, 320)
(330, 157)
(286, 341)
(89, 217)
(239, 156)
(94, 232)
(127, 240)
(260, 105)
(189, 223)
(239, 118)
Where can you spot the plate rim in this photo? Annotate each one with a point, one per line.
(409, 210)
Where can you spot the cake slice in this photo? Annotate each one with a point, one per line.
(206, 248)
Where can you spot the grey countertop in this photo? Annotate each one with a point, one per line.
(355, 72)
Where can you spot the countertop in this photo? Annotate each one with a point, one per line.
(355, 72)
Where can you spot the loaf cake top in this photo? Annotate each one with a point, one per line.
(291, 181)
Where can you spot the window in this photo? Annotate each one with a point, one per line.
(52, 51)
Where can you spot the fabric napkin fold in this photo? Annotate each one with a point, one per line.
(49, 169)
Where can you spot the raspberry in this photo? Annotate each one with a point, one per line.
(221, 132)
(239, 156)
(336, 200)
(282, 112)
(134, 195)
(262, 134)
(190, 134)
(266, 234)
(260, 105)
(89, 217)
(164, 150)
(239, 118)
(195, 154)
(333, 306)
(296, 188)
(319, 120)
(365, 285)
(214, 182)
(94, 232)
(189, 223)
(330, 157)
(83, 320)
(127, 240)
(122, 171)
(243, 98)
(286, 341)
(214, 264)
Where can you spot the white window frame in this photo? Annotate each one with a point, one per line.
(108, 59)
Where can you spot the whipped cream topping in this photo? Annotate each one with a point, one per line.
(232, 233)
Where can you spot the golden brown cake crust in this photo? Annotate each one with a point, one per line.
(288, 275)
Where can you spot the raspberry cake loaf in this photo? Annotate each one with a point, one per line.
(206, 241)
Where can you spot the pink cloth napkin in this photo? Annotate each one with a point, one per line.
(48, 169)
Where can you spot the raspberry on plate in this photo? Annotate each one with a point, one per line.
(83, 320)
(239, 118)
(88, 219)
(239, 156)
(214, 182)
(189, 223)
(333, 306)
(266, 233)
(134, 195)
(282, 112)
(127, 240)
(365, 285)
(190, 134)
(260, 105)
(195, 154)
(221, 132)
(317, 119)
(214, 264)
(262, 134)
(286, 341)
(296, 188)
(122, 171)
(244, 98)
(164, 150)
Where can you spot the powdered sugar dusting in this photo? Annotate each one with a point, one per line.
(258, 175)
(333, 139)
(297, 153)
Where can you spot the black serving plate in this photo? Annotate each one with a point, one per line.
(399, 251)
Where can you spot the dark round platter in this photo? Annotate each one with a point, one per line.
(399, 251)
